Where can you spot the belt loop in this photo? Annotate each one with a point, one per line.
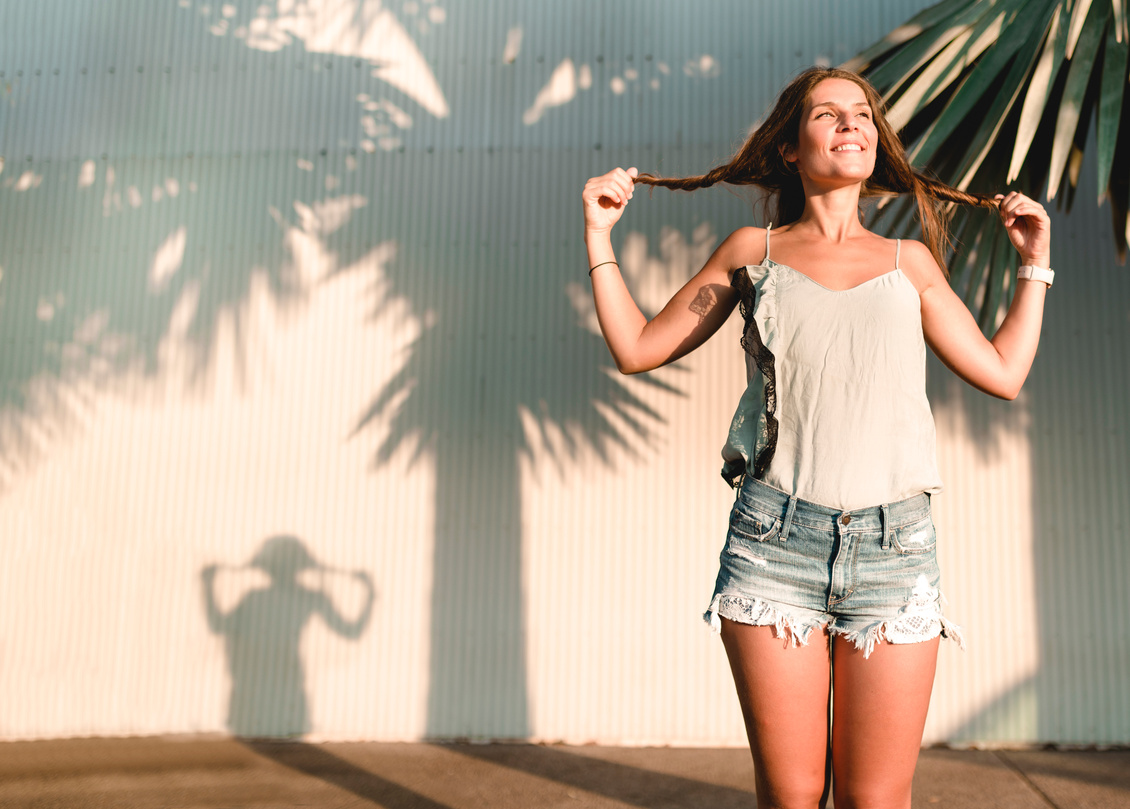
(788, 519)
(885, 511)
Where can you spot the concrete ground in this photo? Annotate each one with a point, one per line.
(199, 773)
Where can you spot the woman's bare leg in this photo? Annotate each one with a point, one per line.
(784, 696)
(878, 714)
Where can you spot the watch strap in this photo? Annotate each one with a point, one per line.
(1034, 273)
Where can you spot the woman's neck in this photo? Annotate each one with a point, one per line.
(832, 214)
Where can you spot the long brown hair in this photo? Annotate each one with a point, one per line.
(760, 162)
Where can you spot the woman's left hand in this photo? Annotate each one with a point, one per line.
(1029, 228)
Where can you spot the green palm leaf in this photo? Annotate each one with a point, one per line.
(1040, 87)
(989, 92)
(1117, 47)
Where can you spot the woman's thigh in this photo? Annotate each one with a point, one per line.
(879, 713)
(783, 690)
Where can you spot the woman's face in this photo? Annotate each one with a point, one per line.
(837, 139)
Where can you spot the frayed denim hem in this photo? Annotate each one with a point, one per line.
(920, 620)
(756, 612)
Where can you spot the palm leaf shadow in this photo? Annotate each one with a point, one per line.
(494, 355)
(110, 261)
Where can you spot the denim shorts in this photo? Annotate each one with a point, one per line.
(869, 575)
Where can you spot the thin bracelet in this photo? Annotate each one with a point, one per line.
(601, 264)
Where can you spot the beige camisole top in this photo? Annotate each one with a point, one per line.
(835, 409)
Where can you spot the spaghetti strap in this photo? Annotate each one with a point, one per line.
(898, 252)
(767, 230)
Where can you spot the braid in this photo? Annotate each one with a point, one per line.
(941, 191)
(720, 174)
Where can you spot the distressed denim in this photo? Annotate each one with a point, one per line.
(869, 575)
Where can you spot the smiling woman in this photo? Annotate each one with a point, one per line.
(761, 161)
(828, 581)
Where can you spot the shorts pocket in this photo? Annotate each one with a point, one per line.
(752, 525)
(918, 537)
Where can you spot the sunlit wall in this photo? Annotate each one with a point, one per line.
(306, 430)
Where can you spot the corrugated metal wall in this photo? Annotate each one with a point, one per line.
(305, 428)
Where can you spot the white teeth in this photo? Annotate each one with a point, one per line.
(849, 147)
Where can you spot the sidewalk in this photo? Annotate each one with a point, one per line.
(196, 773)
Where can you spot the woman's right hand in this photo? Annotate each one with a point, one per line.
(605, 198)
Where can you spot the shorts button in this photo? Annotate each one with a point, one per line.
(844, 520)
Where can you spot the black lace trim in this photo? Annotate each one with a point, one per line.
(766, 363)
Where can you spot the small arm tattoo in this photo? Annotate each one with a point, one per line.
(703, 302)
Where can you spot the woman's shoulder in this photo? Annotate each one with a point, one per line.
(745, 247)
(918, 265)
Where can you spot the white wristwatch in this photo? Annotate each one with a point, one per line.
(1034, 273)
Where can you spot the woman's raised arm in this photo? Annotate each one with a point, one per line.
(998, 366)
(694, 313)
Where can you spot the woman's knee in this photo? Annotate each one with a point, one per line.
(799, 793)
(872, 796)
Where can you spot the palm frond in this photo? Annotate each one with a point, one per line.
(992, 92)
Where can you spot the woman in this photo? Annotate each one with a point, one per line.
(828, 580)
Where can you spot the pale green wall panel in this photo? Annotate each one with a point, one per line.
(314, 270)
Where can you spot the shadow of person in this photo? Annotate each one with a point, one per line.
(263, 631)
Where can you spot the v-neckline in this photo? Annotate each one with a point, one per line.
(829, 289)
